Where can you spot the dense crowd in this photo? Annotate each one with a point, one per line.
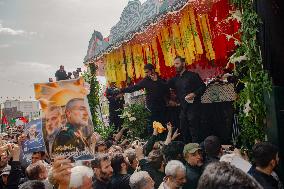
(121, 164)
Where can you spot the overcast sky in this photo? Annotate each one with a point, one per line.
(36, 36)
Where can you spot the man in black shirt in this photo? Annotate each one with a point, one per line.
(189, 87)
(116, 103)
(156, 91)
(265, 161)
(120, 178)
(103, 171)
(61, 74)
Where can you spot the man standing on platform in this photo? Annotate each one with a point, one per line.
(61, 74)
(156, 91)
(116, 103)
(189, 88)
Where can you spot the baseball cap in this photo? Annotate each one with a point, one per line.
(191, 148)
(6, 170)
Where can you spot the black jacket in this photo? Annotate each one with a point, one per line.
(114, 103)
(266, 181)
(192, 176)
(156, 175)
(156, 92)
(97, 184)
(60, 75)
(14, 176)
(120, 181)
(188, 82)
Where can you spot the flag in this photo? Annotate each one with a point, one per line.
(4, 120)
(23, 119)
(13, 121)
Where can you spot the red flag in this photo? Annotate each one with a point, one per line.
(4, 120)
(23, 119)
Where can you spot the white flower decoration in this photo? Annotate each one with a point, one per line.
(132, 119)
(247, 107)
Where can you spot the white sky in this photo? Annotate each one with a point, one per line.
(36, 36)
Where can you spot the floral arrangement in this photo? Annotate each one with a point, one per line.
(135, 118)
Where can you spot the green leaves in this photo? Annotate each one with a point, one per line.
(94, 97)
(254, 76)
(135, 118)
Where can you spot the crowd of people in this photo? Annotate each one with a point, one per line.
(120, 164)
(178, 158)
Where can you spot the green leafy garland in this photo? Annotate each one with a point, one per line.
(252, 115)
(93, 97)
(94, 102)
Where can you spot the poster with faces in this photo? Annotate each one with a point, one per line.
(34, 138)
(67, 126)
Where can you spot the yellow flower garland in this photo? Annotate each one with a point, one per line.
(177, 40)
(138, 61)
(182, 39)
(129, 60)
(197, 40)
(155, 54)
(205, 30)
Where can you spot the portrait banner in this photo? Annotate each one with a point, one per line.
(34, 141)
(67, 126)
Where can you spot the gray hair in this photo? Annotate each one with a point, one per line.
(173, 166)
(34, 169)
(77, 174)
(138, 180)
(130, 154)
(71, 103)
(224, 175)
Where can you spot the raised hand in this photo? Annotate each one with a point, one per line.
(169, 127)
(61, 171)
(175, 135)
(190, 96)
(14, 149)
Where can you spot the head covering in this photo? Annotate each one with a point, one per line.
(191, 148)
(3, 134)
(149, 67)
(6, 170)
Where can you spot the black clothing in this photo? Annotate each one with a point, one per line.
(209, 159)
(156, 175)
(189, 82)
(14, 176)
(97, 184)
(192, 176)
(60, 75)
(120, 181)
(114, 103)
(67, 138)
(266, 181)
(115, 107)
(148, 147)
(173, 116)
(155, 92)
(130, 170)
